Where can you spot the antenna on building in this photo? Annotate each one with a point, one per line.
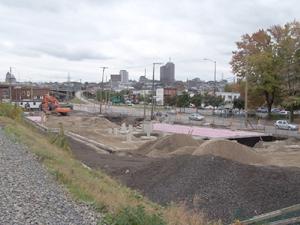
(145, 72)
(169, 59)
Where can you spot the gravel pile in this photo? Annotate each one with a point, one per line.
(29, 195)
(219, 187)
(230, 150)
(167, 145)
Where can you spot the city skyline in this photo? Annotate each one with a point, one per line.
(44, 41)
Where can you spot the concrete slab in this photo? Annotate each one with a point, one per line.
(205, 132)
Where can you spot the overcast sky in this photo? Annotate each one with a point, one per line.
(44, 40)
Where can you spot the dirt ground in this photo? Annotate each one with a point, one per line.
(284, 153)
(95, 128)
(221, 188)
(220, 178)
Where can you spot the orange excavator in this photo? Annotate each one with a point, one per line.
(51, 105)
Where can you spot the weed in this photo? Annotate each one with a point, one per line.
(133, 216)
(11, 111)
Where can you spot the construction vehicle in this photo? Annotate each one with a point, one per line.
(51, 105)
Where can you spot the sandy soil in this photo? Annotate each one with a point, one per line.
(285, 153)
(94, 128)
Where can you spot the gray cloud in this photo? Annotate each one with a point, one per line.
(73, 54)
(40, 37)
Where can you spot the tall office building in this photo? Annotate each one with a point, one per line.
(115, 80)
(167, 73)
(124, 76)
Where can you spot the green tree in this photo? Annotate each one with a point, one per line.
(256, 61)
(288, 49)
(269, 60)
(183, 100)
(213, 100)
(170, 101)
(197, 100)
(239, 103)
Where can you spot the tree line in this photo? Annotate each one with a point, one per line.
(269, 60)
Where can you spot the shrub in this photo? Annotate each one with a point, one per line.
(133, 216)
(11, 111)
(60, 139)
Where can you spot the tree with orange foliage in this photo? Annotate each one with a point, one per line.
(270, 60)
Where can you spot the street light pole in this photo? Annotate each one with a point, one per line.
(153, 90)
(215, 78)
(101, 90)
(215, 73)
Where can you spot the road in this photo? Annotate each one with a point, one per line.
(183, 117)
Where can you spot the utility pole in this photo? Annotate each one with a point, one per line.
(10, 89)
(101, 90)
(215, 73)
(215, 80)
(246, 100)
(153, 91)
(145, 100)
(215, 77)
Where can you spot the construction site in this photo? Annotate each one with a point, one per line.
(225, 174)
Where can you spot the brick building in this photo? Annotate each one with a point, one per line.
(21, 95)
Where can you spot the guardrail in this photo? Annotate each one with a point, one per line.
(271, 215)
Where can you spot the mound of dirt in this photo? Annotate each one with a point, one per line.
(230, 150)
(187, 150)
(167, 144)
(221, 188)
(98, 122)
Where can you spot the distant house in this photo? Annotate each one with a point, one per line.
(228, 97)
(159, 96)
(170, 92)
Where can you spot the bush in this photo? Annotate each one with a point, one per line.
(11, 111)
(60, 139)
(133, 216)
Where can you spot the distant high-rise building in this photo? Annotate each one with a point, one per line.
(167, 73)
(124, 76)
(115, 80)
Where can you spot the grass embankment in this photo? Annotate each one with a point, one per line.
(119, 204)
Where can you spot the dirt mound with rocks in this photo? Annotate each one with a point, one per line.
(221, 188)
(230, 150)
(100, 122)
(167, 144)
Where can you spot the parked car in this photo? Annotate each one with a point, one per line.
(262, 110)
(196, 116)
(275, 110)
(283, 124)
(209, 107)
(128, 103)
(284, 112)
